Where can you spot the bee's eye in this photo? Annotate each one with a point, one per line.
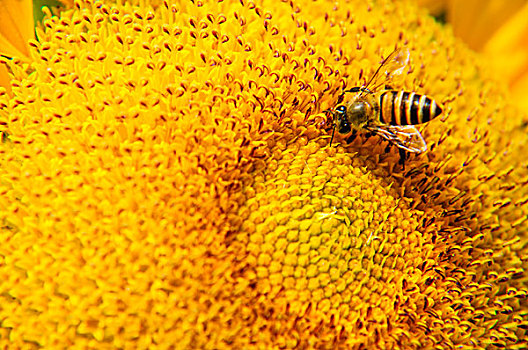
(341, 109)
(342, 122)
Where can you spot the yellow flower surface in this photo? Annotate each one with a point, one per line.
(166, 182)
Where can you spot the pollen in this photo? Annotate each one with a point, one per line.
(167, 181)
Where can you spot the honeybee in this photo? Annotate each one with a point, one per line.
(389, 113)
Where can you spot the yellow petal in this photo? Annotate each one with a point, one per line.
(4, 77)
(507, 50)
(475, 21)
(16, 27)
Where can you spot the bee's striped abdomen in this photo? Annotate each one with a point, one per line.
(407, 108)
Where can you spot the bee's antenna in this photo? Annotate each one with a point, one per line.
(333, 132)
(333, 124)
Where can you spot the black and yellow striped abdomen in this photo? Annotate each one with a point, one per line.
(407, 108)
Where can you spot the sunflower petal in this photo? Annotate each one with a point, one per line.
(16, 27)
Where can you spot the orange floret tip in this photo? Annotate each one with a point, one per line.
(167, 182)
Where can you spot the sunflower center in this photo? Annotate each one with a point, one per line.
(321, 229)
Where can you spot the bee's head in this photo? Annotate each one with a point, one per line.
(355, 116)
(350, 115)
(341, 120)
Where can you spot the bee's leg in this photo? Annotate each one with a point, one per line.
(361, 89)
(403, 157)
(354, 89)
(388, 87)
(352, 136)
(389, 146)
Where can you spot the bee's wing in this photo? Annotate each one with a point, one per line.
(406, 137)
(392, 66)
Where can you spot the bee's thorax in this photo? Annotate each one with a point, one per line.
(362, 110)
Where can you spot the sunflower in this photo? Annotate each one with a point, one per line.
(167, 181)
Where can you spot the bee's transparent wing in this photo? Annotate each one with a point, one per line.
(406, 137)
(390, 68)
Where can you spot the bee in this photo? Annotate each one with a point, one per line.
(388, 113)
